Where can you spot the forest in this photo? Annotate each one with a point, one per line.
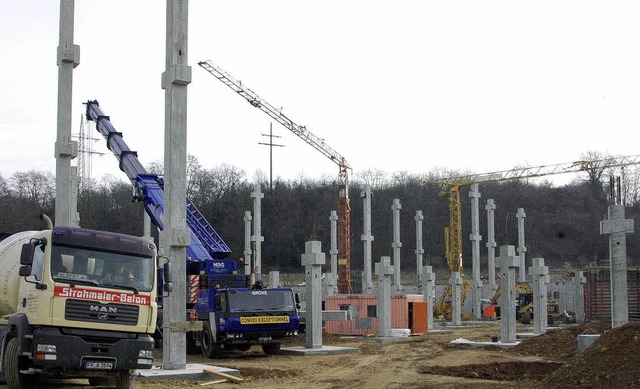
(562, 223)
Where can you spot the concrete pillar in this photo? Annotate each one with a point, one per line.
(540, 279)
(257, 237)
(578, 286)
(491, 245)
(419, 250)
(176, 236)
(73, 204)
(312, 260)
(384, 271)
(247, 243)
(146, 226)
(274, 279)
(396, 207)
(429, 282)
(456, 298)
(475, 238)
(522, 274)
(617, 227)
(367, 238)
(508, 262)
(329, 285)
(333, 252)
(65, 148)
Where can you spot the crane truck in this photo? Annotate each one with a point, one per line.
(234, 313)
(63, 317)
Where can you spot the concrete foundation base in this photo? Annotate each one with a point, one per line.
(192, 372)
(324, 350)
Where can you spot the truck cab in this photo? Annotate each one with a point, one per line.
(67, 315)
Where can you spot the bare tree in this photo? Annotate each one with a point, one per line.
(37, 187)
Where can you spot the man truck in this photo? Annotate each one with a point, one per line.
(62, 317)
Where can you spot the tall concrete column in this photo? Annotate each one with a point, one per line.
(312, 260)
(419, 250)
(617, 227)
(491, 245)
(429, 282)
(247, 243)
(257, 237)
(396, 207)
(333, 252)
(508, 263)
(367, 238)
(65, 149)
(176, 236)
(522, 273)
(578, 286)
(475, 238)
(540, 276)
(456, 298)
(384, 271)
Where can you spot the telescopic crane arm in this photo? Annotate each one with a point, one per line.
(344, 233)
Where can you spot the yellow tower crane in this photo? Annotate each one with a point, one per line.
(453, 233)
(344, 209)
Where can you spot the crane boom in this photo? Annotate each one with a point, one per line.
(453, 233)
(540, 171)
(344, 233)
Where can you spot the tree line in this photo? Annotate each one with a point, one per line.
(561, 224)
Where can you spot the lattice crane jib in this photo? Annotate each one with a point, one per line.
(344, 210)
(453, 233)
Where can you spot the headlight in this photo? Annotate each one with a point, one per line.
(146, 353)
(46, 348)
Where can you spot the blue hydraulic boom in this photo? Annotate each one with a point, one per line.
(206, 244)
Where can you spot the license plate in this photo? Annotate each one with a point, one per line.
(264, 339)
(98, 365)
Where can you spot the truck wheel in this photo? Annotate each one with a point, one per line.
(271, 348)
(525, 318)
(208, 344)
(125, 381)
(13, 363)
(243, 347)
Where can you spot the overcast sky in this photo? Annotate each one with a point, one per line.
(390, 85)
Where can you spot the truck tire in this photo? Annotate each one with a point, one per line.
(271, 348)
(13, 363)
(125, 381)
(525, 318)
(208, 345)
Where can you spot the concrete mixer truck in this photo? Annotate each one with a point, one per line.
(66, 312)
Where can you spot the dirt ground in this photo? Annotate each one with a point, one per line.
(546, 361)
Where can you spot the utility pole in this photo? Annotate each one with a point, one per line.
(271, 144)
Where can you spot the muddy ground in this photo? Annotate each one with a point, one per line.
(544, 361)
(432, 360)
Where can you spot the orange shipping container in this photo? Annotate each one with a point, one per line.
(407, 311)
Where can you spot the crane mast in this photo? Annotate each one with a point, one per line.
(344, 209)
(453, 233)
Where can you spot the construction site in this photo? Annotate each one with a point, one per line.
(84, 307)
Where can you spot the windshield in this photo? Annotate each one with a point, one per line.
(99, 268)
(261, 300)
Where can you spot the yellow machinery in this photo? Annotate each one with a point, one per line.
(453, 233)
(524, 304)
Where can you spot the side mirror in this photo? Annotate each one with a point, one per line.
(167, 284)
(26, 255)
(297, 297)
(218, 299)
(25, 270)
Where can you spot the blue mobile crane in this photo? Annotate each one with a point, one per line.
(235, 314)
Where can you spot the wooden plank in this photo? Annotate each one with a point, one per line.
(224, 375)
(212, 382)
